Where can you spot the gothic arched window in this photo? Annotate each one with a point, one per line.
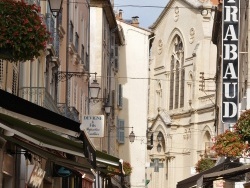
(177, 75)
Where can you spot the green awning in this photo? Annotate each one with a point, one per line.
(40, 136)
(107, 159)
(40, 141)
(80, 164)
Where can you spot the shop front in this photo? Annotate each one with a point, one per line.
(40, 148)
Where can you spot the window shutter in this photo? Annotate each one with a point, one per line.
(120, 96)
(120, 132)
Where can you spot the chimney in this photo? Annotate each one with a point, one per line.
(120, 14)
(135, 21)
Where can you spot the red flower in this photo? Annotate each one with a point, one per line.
(19, 26)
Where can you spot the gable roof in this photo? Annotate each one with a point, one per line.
(192, 3)
(164, 117)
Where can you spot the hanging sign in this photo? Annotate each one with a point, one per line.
(230, 61)
(93, 125)
(35, 176)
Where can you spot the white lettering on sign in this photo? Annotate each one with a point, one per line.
(230, 62)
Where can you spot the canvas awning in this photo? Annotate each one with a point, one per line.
(29, 112)
(43, 142)
(32, 123)
(198, 178)
(232, 173)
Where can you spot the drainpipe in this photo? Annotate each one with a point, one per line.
(67, 60)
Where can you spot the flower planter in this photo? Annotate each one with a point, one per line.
(23, 35)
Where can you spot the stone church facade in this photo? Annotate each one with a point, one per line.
(181, 91)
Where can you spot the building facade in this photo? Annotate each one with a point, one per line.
(181, 117)
(132, 81)
(42, 104)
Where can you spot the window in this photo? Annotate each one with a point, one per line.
(82, 54)
(87, 61)
(75, 95)
(69, 92)
(71, 31)
(177, 75)
(120, 96)
(120, 131)
(76, 41)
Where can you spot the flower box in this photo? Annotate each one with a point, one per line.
(23, 34)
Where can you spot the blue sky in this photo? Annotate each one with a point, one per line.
(147, 15)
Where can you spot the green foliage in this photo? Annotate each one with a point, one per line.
(204, 164)
(243, 125)
(22, 34)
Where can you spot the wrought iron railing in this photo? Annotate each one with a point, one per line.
(69, 112)
(39, 96)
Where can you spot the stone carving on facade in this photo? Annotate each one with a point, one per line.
(160, 44)
(176, 15)
(191, 35)
(159, 89)
(187, 134)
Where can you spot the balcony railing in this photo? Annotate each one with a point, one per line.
(39, 96)
(69, 112)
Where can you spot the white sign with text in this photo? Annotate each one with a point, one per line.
(93, 125)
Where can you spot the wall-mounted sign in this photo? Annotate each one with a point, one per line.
(93, 125)
(35, 176)
(230, 61)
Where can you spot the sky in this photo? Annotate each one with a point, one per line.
(147, 10)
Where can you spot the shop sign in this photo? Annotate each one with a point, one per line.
(61, 171)
(230, 61)
(93, 125)
(35, 176)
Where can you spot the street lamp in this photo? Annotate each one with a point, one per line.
(55, 6)
(107, 109)
(94, 89)
(131, 136)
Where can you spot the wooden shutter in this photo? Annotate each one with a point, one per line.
(120, 132)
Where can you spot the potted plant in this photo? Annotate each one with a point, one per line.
(229, 144)
(126, 167)
(23, 35)
(204, 164)
(242, 127)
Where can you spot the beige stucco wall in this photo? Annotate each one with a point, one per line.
(193, 124)
(132, 75)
